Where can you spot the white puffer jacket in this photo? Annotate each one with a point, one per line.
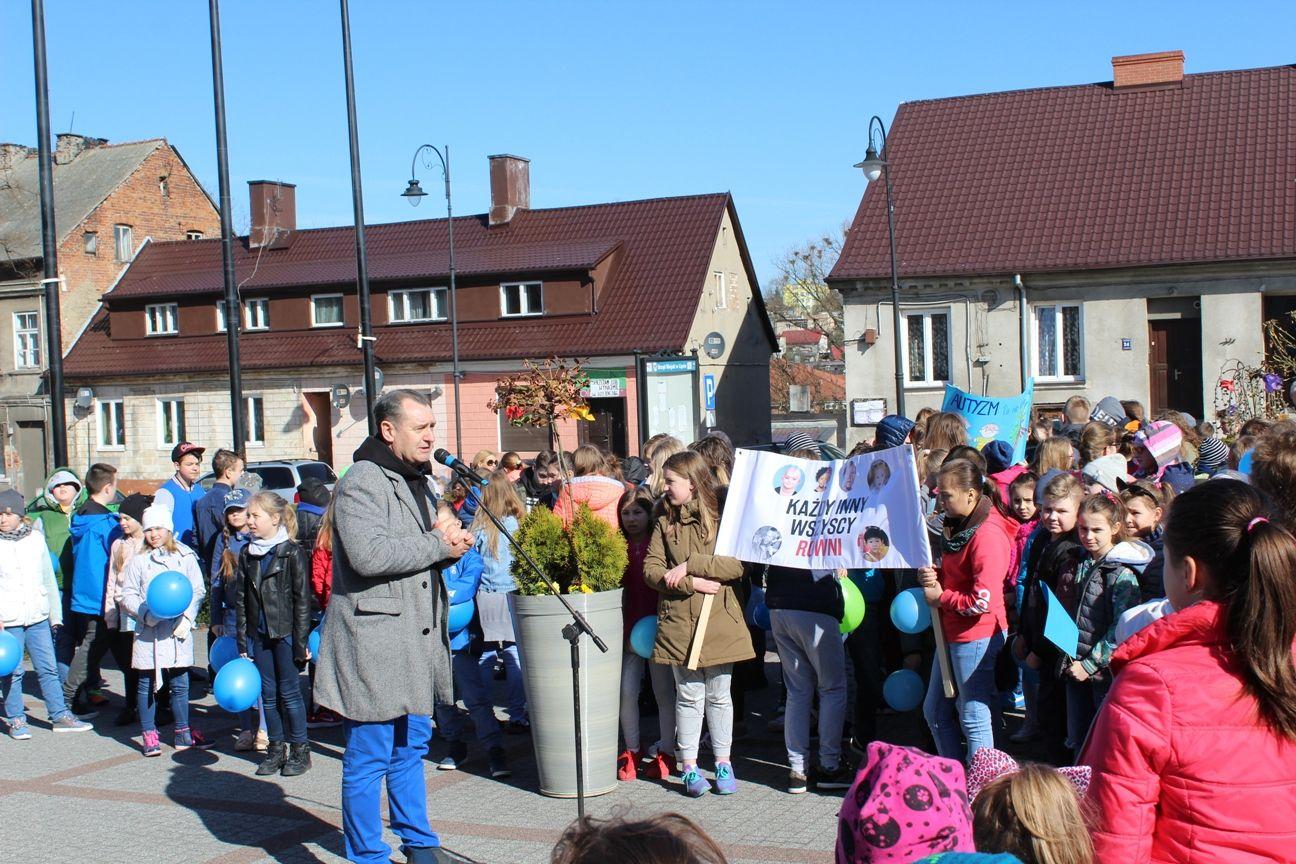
(28, 592)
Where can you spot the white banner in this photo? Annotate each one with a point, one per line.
(861, 512)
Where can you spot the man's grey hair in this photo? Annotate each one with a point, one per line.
(391, 405)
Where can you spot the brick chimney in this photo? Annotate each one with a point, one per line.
(510, 182)
(12, 154)
(1134, 70)
(69, 146)
(273, 207)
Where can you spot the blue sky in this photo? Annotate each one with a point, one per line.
(610, 101)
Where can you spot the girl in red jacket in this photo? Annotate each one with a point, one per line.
(1194, 752)
(976, 552)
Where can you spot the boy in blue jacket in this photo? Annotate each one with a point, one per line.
(462, 579)
(93, 529)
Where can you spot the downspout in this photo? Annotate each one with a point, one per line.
(1023, 333)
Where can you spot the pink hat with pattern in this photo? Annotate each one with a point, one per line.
(904, 805)
(989, 764)
(1162, 439)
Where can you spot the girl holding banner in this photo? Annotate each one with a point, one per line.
(976, 543)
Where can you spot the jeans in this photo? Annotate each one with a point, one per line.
(472, 680)
(663, 684)
(969, 711)
(865, 648)
(813, 658)
(281, 693)
(391, 750)
(695, 688)
(38, 639)
(1083, 699)
(516, 688)
(147, 698)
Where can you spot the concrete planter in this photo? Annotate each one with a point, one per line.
(546, 670)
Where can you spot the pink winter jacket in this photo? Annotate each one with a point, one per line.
(600, 494)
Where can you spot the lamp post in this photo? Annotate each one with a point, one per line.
(874, 167)
(414, 194)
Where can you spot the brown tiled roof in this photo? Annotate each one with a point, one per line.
(799, 336)
(1087, 177)
(649, 304)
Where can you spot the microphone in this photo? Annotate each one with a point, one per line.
(455, 464)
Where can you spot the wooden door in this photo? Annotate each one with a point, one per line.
(322, 433)
(1175, 365)
(608, 428)
(30, 442)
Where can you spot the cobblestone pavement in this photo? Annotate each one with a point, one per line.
(92, 796)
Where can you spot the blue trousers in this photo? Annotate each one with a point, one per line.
(515, 688)
(969, 713)
(473, 683)
(39, 642)
(392, 750)
(281, 694)
(146, 697)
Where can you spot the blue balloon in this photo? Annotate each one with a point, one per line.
(461, 615)
(872, 585)
(761, 617)
(903, 690)
(312, 641)
(910, 612)
(10, 654)
(223, 650)
(643, 635)
(169, 594)
(238, 685)
(1244, 464)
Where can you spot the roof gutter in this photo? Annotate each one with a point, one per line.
(1024, 333)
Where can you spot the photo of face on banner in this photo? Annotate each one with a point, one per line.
(846, 478)
(873, 543)
(788, 480)
(822, 478)
(766, 542)
(879, 475)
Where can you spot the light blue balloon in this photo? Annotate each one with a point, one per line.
(313, 642)
(643, 636)
(1244, 464)
(223, 650)
(903, 690)
(237, 686)
(761, 616)
(910, 612)
(169, 594)
(461, 615)
(10, 654)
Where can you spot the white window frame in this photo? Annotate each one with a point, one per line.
(30, 356)
(220, 316)
(1060, 344)
(91, 241)
(111, 434)
(252, 406)
(720, 285)
(398, 302)
(123, 238)
(314, 301)
(193, 234)
(252, 320)
(170, 311)
(177, 421)
(928, 355)
(526, 310)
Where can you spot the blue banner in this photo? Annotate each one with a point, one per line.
(990, 419)
(1059, 627)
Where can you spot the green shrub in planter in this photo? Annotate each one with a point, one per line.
(591, 556)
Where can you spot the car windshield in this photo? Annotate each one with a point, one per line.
(316, 471)
(274, 476)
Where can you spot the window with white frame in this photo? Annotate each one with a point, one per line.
(326, 310)
(162, 319)
(193, 235)
(721, 289)
(254, 421)
(170, 422)
(27, 347)
(123, 242)
(91, 239)
(1058, 337)
(926, 347)
(220, 316)
(256, 314)
(416, 304)
(112, 424)
(521, 298)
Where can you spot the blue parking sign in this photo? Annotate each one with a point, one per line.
(708, 389)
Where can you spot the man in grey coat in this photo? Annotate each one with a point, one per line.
(385, 654)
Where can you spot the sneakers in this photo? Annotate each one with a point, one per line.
(273, 763)
(17, 730)
(695, 785)
(659, 766)
(187, 737)
(626, 765)
(521, 726)
(499, 764)
(298, 761)
(68, 723)
(152, 746)
(797, 783)
(322, 718)
(251, 740)
(726, 783)
(833, 779)
(457, 755)
(96, 698)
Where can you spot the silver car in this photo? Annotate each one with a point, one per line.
(283, 476)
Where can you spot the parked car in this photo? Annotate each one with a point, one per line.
(827, 452)
(283, 476)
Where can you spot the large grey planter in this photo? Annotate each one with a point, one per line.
(546, 669)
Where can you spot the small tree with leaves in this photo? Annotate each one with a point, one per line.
(799, 294)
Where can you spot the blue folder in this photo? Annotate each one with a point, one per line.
(1059, 627)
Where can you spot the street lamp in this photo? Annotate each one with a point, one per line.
(415, 194)
(874, 167)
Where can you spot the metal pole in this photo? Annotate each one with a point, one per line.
(233, 316)
(895, 275)
(49, 244)
(454, 309)
(366, 339)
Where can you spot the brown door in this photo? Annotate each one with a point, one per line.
(322, 434)
(29, 441)
(1174, 358)
(608, 428)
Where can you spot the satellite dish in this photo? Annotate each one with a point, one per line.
(340, 396)
(84, 398)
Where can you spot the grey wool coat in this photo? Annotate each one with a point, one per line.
(385, 649)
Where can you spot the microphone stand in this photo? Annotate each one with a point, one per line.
(571, 632)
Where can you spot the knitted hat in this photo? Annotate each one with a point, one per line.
(799, 441)
(1212, 454)
(156, 516)
(63, 478)
(237, 499)
(998, 456)
(1162, 439)
(313, 491)
(11, 501)
(135, 505)
(1107, 471)
(989, 764)
(904, 804)
(1044, 482)
(1109, 411)
(893, 430)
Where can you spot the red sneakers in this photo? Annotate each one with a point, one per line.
(626, 765)
(660, 767)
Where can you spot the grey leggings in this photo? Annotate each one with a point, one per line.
(695, 688)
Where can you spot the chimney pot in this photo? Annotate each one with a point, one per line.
(273, 206)
(69, 145)
(1133, 70)
(510, 183)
